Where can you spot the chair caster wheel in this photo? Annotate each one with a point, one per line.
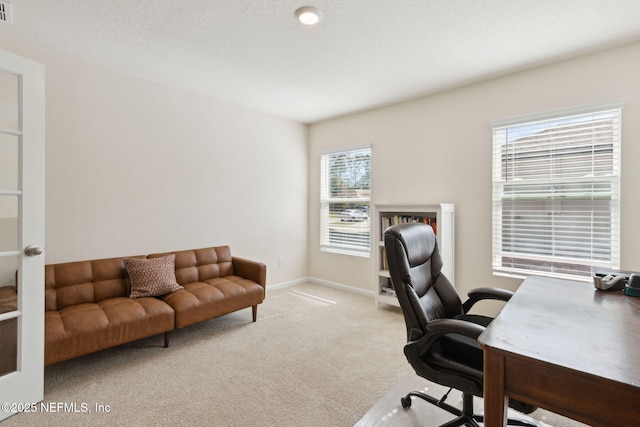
(406, 402)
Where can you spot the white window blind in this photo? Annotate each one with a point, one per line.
(556, 195)
(345, 199)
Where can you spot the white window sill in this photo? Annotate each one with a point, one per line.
(350, 252)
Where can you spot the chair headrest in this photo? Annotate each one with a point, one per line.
(418, 241)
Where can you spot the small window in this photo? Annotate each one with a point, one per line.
(556, 195)
(345, 200)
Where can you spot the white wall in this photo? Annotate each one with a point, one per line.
(438, 149)
(133, 167)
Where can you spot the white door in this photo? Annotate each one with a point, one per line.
(21, 233)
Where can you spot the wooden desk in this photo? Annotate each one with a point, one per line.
(566, 347)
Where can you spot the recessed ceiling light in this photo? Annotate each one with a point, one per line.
(309, 15)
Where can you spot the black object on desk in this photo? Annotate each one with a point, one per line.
(632, 288)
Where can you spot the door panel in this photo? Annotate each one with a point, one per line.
(9, 226)
(8, 162)
(21, 225)
(9, 97)
(9, 349)
(8, 304)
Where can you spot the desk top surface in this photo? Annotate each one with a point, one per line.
(573, 325)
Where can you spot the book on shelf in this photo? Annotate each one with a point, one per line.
(388, 221)
(384, 265)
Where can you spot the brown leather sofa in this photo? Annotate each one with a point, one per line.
(88, 308)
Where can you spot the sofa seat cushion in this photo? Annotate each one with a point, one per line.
(200, 301)
(84, 328)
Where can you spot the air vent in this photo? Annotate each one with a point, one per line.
(5, 13)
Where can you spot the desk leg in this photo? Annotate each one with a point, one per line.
(495, 400)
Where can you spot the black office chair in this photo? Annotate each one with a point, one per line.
(442, 337)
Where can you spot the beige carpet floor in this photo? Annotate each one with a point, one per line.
(317, 356)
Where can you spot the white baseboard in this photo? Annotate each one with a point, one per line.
(323, 282)
(283, 285)
(342, 286)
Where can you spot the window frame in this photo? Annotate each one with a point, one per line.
(327, 244)
(603, 195)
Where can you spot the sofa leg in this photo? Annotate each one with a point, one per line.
(167, 336)
(254, 311)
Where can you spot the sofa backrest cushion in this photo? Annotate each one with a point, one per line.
(198, 265)
(73, 283)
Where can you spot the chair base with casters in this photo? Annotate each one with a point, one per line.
(465, 417)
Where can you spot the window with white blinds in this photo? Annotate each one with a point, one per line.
(556, 195)
(345, 199)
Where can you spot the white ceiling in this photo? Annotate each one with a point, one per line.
(364, 53)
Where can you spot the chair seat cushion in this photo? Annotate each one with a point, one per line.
(460, 353)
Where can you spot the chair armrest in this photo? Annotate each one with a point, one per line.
(455, 326)
(479, 294)
(251, 270)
